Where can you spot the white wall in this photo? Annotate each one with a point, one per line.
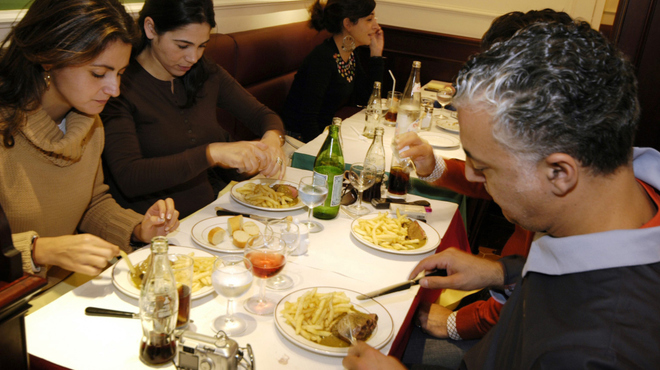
(470, 18)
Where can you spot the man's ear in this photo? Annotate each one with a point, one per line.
(562, 172)
(149, 28)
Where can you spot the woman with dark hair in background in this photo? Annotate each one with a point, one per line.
(58, 67)
(333, 75)
(162, 134)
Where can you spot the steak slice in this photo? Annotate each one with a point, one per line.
(363, 325)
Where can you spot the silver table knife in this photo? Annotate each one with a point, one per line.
(400, 286)
(219, 211)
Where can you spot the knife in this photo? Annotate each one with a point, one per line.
(401, 286)
(219, 211)
(96, 311)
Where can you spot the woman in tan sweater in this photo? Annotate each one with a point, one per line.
(58, 68)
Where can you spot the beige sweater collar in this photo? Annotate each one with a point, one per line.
(62, 149)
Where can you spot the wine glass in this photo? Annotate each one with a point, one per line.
(268, 257)
(312, 194)
(289, 233)
(362, 177)
(231, 278)
(444, 97)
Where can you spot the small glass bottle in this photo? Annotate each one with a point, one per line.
(159, 307)
(329, 169)
(411, 101)
(372, 112)
(376, 156)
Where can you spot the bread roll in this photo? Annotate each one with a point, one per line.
(216, 235)
(240, 238)
(235, 223)
(251, 228)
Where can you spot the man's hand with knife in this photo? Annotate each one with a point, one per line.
(464, 272)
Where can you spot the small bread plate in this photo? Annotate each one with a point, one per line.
(379, 338)
(267, 182)
(432, 238)
(200, 234)
(448, 124)
(121, 274)
(440, 140)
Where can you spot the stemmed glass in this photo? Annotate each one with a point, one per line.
(362, 177)
(268, 257)
(231, 278)
(444, 97)
(312, 195)
(289, 233)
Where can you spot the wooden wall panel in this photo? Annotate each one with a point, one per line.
(637, 33)
(442, 56)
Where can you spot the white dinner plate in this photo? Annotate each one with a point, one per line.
(449, 124)
(121, 275)
(432, 238)
(441, 140)
(200, 234)
(268, 182)
(379, 338)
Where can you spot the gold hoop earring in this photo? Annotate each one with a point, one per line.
(47, 79)
(348, 43)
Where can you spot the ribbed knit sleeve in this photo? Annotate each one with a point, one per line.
(106, 219)
(23, 243)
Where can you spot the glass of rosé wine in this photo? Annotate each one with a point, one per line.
(268, 257)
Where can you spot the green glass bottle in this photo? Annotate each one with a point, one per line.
(329, 169)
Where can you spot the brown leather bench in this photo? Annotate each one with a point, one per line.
(264, 61)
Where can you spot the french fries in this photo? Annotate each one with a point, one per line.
(202, 270)
(314, 314)
(388, 232)
(263, 196)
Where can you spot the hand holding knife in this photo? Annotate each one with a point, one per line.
(401, 286)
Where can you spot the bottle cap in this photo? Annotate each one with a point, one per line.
(417, 64)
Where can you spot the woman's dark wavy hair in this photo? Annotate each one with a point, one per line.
(329, 15)
(170, 15)
(58, 33)
(556, 88)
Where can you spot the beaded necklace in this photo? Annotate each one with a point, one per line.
(346, 68)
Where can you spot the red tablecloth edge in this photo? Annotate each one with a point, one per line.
(456, 236)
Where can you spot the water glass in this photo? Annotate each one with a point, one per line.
(312, 194)
(362, 177)
(288, 232)
(231, 278)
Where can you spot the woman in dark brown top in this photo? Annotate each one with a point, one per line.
(162, 135)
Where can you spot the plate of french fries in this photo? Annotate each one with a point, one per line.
(259, 194)
(203, 267)
(390, 233)
(305, 317)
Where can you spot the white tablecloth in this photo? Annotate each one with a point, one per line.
(355, 146)
(61, 333)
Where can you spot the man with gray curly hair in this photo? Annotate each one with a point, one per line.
(548, 120)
